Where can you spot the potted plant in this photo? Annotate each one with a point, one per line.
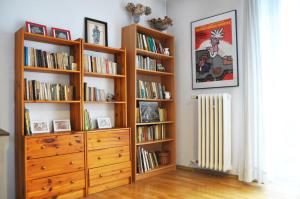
(137, 11)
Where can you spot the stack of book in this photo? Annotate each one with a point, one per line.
(149, 43)
(39, 58)
(87, 120)
(151, 133)
(99, 65)
(147, 63)
(150, 90)
(27, 127)
(35, 90)
(146, 160)
(93, 94)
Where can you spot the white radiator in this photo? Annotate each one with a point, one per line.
(214, 132)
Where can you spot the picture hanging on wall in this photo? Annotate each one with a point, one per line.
(215, 51)
(95, 32)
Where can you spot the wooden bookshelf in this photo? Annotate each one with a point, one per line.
(49, 70)
(167, 78)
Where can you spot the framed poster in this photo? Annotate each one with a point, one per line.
(95, 31)
(215, 51)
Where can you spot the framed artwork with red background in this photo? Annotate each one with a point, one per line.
(61, 33)
(214, 51)
(36, 28)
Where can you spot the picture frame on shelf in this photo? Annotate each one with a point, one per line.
(61, 33)
(215, 51)
(104, 123)
(61, 125)
(39, 126)
(149, 112)
(36, 28)
(95, 31)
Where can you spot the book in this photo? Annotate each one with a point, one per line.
(150, 133)
(27, 127)
(97, 64)
(93, 94)
(149, 43)
(146, 160)
(150, 90)
(162, 114)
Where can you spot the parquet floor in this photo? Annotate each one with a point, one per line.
(183, 184)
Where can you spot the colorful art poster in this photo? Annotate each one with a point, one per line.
(214, 51)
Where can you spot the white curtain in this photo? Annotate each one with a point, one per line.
(252, 151)
(272, 95)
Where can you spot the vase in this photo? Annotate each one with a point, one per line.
(136, 18)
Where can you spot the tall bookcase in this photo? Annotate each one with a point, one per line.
(79, 162)
(166, 78)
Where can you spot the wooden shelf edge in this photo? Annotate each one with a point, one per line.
(105, 102)
(153, 54)
(151, 72)
(153, 123)
(154, 100)
(50, 102)
(48, 70)
(157, 171)
(100, 48)
(102, 75)
(108, 129)
(154, 142)
(52, 133)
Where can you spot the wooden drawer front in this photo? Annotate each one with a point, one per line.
(102, 140)
(54, 145)
(108, 186)
(49, 166)
(57, 185)
(109, 173)
(108, 156)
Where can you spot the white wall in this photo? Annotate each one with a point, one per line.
(183, 13)
(68, 14)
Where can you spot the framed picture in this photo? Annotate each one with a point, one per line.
(61, 33)
(61, 125)
(95, 32)
(36, 28)
(39, 127)
(149, 112)
(103, 122)
(215, 51)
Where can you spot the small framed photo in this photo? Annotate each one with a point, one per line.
(39, 127)
(61, 33)
(61, 125)
(104, 123)
(36, 28)
(95, 31)
(149, 112)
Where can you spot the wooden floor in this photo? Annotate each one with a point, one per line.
(183, 184)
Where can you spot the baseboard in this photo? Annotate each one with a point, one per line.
(206, 171)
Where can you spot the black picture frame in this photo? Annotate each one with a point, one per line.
(86, 21)
(149, 112)
(236, 82)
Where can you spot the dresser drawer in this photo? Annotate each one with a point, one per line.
(108, 156)
(38, 147)
(109, 173)
(56, 185)
(102, 140)
(49, 166)
(108, 186)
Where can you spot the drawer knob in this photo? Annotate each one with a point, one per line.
(43, 167)
(71, 163)
(44, 188)
(43, 147)
(72, 182)
(100, 175)
(121, 171)
(99, 140)
(70, 144)
(99, 158)
(119, 138)
(120, 155)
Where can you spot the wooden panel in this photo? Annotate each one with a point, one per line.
(107, 139)
(108, 156)
(54, 145)
(43, 167)
(110, 185)
(109, 173)
(57, 185)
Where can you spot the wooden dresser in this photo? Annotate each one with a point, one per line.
(55, 166)
(108, 159)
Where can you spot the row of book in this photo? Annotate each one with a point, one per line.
(148, 63)
(87, 120)
(148, 43)
(27, 127)
(146, 160)
(98, 64)
(93, 94)
(39, 58)
(162, 114)
(150, 90)
(36, 90)
(151, 133)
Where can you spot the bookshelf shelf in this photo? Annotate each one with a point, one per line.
(53, 133)
(154, 142)
(150, 72)
(52, 101)
(153, 55)
(154, 100)
(50, 70)
(49, 40)
(105, 102)
(100, 75)
(167, 79)
(103, 49)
